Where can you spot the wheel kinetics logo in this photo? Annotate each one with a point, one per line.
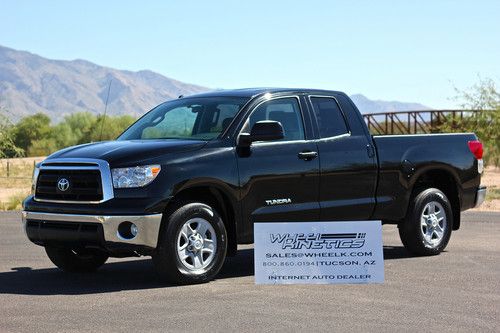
(319, 241)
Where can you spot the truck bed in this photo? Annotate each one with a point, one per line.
(404, 160)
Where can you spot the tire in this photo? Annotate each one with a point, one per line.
(192, 244)
(77, 261)
(427, 227)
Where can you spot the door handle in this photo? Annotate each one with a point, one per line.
(308, 155)
(370, 150)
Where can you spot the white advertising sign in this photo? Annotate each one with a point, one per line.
(318, 252)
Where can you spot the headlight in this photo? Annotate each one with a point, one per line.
(134, 177)
(36, 171)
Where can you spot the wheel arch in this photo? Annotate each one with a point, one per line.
(217, 197)
(446, 181)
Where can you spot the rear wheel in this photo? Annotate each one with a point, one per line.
(81, 260)
(427, 227)
(192, 245)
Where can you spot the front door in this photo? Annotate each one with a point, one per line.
(279, 180)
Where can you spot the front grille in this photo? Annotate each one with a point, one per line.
(47, 232)
(72, 226)
(84, 185)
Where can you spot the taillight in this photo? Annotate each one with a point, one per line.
(476, 147)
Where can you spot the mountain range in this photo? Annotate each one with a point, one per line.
(366, 105)
(30, 83)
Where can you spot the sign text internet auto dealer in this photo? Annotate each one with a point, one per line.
(319, 252)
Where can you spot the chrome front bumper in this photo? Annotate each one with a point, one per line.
(148, 226)
(480, 196)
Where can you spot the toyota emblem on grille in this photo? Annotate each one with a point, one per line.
(63, 184)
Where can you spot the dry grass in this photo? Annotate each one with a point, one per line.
(14, 202)
(493, 194)
(15, 171)
(17, 186)
(491, 179)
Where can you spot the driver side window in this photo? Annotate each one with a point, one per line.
(284, 110)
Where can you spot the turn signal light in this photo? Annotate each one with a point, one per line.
(155, 170)
(476, 147)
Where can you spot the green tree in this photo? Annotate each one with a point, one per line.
(112, 127)
(7, 146)
(483, 95)
(31, 129)
(36, 136)
(484, 98)
(63, 135)
(82, 125)
(43, 147)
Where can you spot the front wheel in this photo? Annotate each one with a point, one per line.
(427, 227)
(76, 260)
(192, 245)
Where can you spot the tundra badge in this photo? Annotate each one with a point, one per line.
(273, 202)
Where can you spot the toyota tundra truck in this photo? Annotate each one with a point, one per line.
(187, 181)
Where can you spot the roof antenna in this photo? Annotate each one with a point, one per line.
(105, 109)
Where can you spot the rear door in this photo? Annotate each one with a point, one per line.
(280, 179)
(347, 165)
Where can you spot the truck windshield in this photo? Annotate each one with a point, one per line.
(201, 118)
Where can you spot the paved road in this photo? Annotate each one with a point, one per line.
(458, 290)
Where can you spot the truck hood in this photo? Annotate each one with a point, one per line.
(128, 151)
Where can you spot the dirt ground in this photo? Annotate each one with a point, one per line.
(491, 179)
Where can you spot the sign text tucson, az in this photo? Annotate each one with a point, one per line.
(319, 252)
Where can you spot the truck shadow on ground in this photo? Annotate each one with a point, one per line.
(123, 275)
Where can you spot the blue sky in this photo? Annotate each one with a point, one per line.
(413, 51)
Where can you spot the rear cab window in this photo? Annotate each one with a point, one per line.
(330, 119)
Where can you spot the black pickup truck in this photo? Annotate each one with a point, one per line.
(186, 182)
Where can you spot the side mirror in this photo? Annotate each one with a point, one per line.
(264, 130)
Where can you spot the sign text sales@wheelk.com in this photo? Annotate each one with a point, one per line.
(319, 252)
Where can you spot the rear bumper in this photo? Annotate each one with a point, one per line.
(94, 230)
(480, 196)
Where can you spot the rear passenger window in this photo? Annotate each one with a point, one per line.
(331, 122)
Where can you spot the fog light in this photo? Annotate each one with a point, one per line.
(127, 230)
